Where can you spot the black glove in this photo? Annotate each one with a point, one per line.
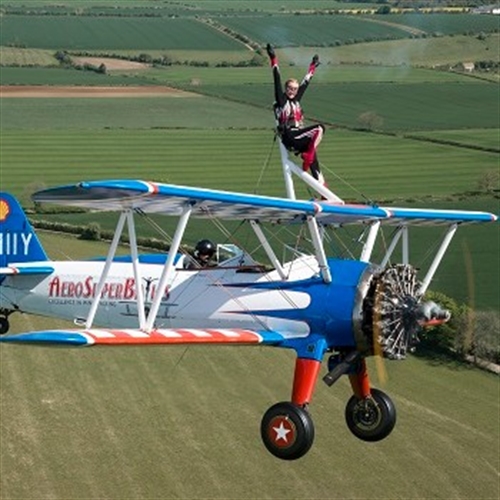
(315, 60)
(270, 51)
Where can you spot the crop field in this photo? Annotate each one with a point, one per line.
(365, 161)
(447, 24)
(180, 75)
(189, 5)
(12, 56)
(428, 52)
(95, 33)
(61, 76)
(316, 31)
(400, 107)
(340, 104)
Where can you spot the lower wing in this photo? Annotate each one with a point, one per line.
(94, 336)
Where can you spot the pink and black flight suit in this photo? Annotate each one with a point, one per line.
(294, 135)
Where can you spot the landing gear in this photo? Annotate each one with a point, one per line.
(287, 431)
(372, 418)
(4, 325)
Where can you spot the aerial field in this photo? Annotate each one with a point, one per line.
(183, 422)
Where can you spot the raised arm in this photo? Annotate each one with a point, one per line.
(278, 89)
(307, 78)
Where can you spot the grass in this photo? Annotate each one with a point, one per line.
(488, 138)
(184, 423)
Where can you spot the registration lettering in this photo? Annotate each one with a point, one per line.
(16, 244)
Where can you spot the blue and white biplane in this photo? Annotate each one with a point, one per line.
(313, 304)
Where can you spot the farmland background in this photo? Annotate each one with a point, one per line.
(405, 125)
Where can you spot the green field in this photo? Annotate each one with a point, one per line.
(183, 422)
(110, 33)
(381, 167)
(356, 165)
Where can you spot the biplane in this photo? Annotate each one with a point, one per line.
(316, 305)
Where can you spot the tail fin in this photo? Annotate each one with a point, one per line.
(18, 240)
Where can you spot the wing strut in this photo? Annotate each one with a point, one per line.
(105, 271)
(137, 272)
(320, 251)
(437, 259)
(289, 167)
(406, 246)
(392, 246)
(267, 247)
(370, 241)
(168, 269)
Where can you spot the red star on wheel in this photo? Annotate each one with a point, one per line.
(282, 431)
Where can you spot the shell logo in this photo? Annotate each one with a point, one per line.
(4, 210)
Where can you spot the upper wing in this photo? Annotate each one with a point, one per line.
(422, 216)
(94, 336)
(168, 199)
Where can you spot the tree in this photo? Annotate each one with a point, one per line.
(370, 120)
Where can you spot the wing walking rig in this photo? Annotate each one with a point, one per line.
(314, 304)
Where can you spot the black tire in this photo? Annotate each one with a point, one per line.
(287, 431)
(4, 325)
(371, 419)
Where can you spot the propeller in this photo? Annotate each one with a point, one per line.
(395, 314)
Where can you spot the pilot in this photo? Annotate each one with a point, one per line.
(203, 253)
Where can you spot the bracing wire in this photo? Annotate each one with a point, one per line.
(346, 183)
(265, 165)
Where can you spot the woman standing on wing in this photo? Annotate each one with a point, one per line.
(294, 136)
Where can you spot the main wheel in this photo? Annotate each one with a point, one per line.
(4, 325)
(373, 418)
(287, 431)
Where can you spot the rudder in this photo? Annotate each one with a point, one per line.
(18, 240)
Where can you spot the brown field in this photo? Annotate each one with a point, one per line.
(8, 91)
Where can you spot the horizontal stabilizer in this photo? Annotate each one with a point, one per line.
(26, 270)
(138, 337)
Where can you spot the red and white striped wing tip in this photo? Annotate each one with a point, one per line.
(138, 337)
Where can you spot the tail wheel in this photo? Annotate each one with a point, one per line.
(372, 418)
(287, 431)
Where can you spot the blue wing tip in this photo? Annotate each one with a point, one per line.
(47, 338)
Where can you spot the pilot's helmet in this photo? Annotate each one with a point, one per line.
(204, 247)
